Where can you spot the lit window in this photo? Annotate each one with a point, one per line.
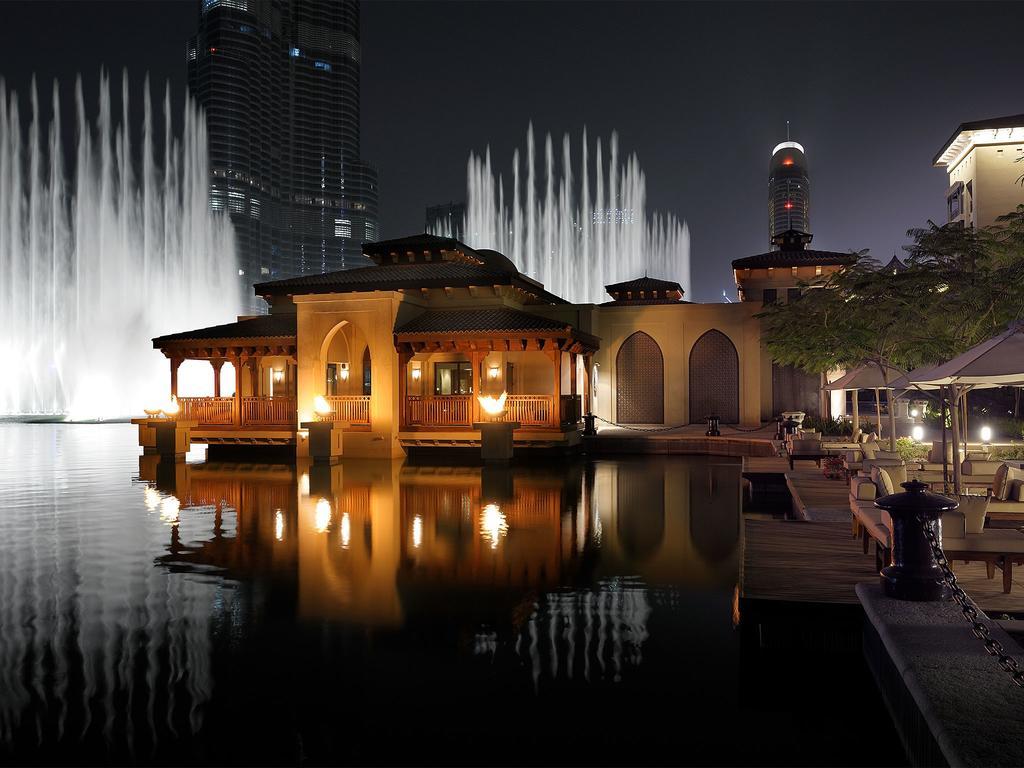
(296, 53)
(342, 228)
(322, 65)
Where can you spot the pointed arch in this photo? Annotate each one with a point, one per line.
(640, 381)
(714, 379)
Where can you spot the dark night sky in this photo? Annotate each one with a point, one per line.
(700, 91)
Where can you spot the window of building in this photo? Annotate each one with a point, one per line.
(770, 295)
(453, 378)
(295, 52)
(326, 67)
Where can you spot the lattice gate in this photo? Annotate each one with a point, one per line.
(639, 381)
(714, 379)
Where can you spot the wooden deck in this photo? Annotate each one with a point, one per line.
(816, 559)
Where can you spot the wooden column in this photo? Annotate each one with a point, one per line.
(588, 366)
(217, 365)
(476, 380)
(403, 388)
(175, 362)
(239, 362)
(556, 411)
(257, 379)
(572, 373)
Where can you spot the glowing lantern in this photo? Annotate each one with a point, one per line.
(917, 433)
(493, 406)
(986, 434)
(321, 406)
(171, 409)
(346, 530)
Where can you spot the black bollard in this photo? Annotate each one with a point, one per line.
(913, 573)
(712, 427)
(780, 430)
(589, 428)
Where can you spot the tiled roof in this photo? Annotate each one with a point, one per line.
(794, 258)
(644, 284)
(491, 320)
(391, 277)
(263, 327)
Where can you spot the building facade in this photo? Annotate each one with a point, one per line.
(401, 350)
(279, 82)
(789, 190)
(983, 162)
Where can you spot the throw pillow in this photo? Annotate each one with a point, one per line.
(898, 475)
(869, 450)
(882, 481)
(1017, 491)
(999, 485)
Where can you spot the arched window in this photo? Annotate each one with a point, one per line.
(714, 379)
(639, 381)
(367, 378)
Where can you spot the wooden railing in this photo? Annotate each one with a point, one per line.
(440, 410)
(268, 411)
(528, 410)
(355, 409)
(207, 410)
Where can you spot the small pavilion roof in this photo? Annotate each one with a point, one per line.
(644, 290)
(895, 266)
(793, 252)
(263, 334)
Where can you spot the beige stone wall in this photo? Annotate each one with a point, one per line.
(994, 173)
(676, 328)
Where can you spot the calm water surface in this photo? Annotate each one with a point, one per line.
(387, 612)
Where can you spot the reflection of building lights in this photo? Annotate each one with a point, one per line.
(169, 509)
(917, 433)
(417, 531)
(986, 434)
(304, 484)
(493, 524)
(346, 530)
(152, 498)
(322, 521)
(279, 525)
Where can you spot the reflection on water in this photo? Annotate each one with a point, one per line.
(153, 612)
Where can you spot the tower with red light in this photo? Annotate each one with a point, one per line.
(789, 191)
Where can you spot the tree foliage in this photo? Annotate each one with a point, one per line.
(961, 286)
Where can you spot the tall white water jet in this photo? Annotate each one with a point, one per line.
(573, 239)
(96, 261)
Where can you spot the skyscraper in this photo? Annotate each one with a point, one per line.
(789, 190)
(279, 80)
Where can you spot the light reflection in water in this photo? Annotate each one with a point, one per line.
(417, 531)
(322, 520)
(493, 525)
(568, 595)
(346, 530)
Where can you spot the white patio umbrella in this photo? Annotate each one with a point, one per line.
(870, 376)
(997, 362)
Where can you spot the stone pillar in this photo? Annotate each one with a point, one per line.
(556, 410)
(403, 387)
(239, 362)
(476, 385)
(588, 368)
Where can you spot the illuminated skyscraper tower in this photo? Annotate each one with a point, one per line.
(789, 190)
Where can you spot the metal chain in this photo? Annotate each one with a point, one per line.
(968, 609)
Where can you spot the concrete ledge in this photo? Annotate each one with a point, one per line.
(951, 702)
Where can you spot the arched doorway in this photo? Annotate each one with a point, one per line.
(639, 381)
(714, 379)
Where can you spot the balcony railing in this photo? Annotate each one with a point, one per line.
(268, 411)
(528, 410)
(355, 409)
(208, 411)
(440, 410)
